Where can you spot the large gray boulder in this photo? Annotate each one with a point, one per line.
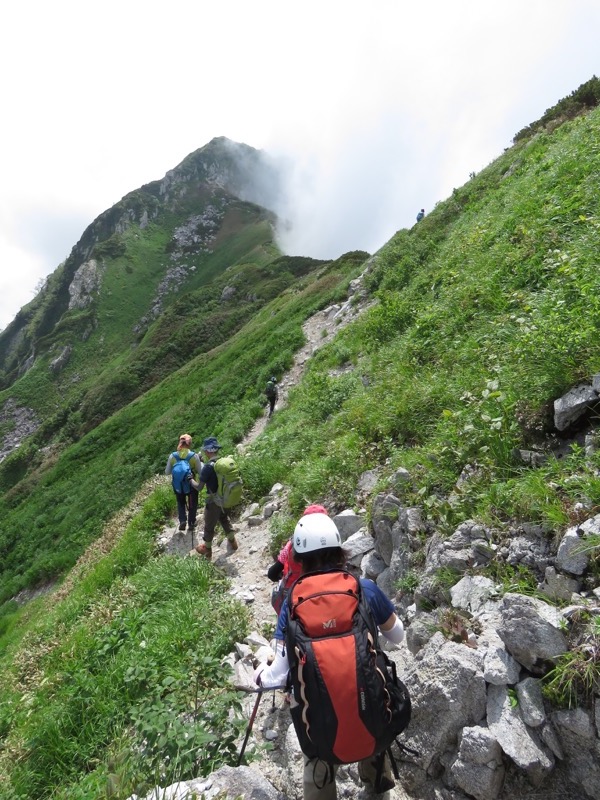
(348, 523)
(576, 730)
(227, 783)
(357, 546)
(448, 693)
(572, 556)
(473, 592)
(517, 741)
(499, 667)
(531, 702)
(572, 405)
(469, 545)
(530, 631)
(529, 546)
(384, 517)
(479, 767)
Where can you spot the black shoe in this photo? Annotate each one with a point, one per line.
(182, 526)
(385, 785)
(367, 772)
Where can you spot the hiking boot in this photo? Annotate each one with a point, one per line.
(232, 544)
(192, 527)
(182, 526)
(203, 550)
(367, 772)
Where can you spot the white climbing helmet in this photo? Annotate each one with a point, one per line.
(315, 532)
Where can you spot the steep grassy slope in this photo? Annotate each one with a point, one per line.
(488, 310)
(104, 370)
(168, 239)
(52, 512)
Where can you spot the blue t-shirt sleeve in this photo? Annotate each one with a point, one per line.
(381, 606)
(282, 621)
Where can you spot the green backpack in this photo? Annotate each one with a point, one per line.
(230, 484)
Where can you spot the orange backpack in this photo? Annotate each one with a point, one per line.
(349, 704)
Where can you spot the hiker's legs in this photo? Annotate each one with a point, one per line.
(212, 513)
(181, 509)
(272, 405)
(192, 507)
(226, 523)
(367, 772)
(319, 780)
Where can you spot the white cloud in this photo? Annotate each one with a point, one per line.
(383, 106)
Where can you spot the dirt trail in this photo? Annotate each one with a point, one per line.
(247, 567)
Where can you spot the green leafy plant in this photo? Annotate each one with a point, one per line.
(575, 678)
(408, 582)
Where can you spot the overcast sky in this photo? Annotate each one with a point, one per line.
(384, 106)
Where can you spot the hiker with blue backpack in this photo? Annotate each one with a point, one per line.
(184, 465)
(223, 491)
(348, 704)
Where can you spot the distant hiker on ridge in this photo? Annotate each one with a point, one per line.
(183, 465)
(214, 513)
(420, 215)
(272, 393)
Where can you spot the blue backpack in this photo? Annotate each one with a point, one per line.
(181, 474)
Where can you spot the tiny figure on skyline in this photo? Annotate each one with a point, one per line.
(420, 215)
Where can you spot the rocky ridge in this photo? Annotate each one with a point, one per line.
(473, 657)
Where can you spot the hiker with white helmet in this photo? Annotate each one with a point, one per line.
(326, 638)
(286, 570)
(214, 512)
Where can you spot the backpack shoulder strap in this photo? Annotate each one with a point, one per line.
(178, 457)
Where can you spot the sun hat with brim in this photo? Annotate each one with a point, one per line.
(211, 444)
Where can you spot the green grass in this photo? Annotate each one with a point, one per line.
(488, 311)
(67, 503)
(133, 685)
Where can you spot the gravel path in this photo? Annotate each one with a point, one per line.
(247, 567)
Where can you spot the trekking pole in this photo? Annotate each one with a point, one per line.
(187, 511)
(249, 728)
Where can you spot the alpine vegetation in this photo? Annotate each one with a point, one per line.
(438, 400)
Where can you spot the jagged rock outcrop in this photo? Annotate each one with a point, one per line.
(62, 359)
(575, 403)
(226, 782)
(474, 660)
(19, 422)
(85, 284)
